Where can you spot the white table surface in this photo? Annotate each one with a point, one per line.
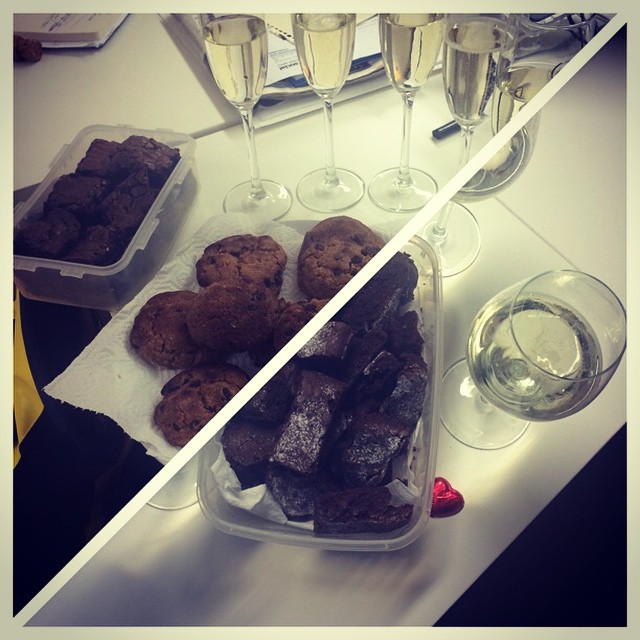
(174, 568)
(138, 78)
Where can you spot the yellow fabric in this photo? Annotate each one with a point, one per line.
(27, 405)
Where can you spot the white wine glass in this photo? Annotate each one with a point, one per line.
(540, 350)
(410, 44)
(476, 49)
(236, 47)
(324, 44)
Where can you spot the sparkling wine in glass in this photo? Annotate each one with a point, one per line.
(520, 83)
(236, 47)
(476, 50)
(540, 350)
(324, 44)
(410, 44)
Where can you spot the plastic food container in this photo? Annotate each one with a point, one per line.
(109, 287)
(420, 457)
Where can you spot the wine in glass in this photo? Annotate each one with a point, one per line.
(476, 50)
(324, 44)
(542, 349)
(410, 44)
(520, 83)
(236, 46)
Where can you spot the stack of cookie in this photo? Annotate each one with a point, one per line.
(239, 309)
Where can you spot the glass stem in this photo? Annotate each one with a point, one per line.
(331, 179)
(404, 177)
(257, 190)
(439, 228)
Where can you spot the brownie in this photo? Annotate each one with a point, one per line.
(81, 195)
(359, 510)
(247, 446)
(139, 152)
(362, 350)
(271, 403)
(191, 399)
(293, 317)
(404, 333)
(332, 252)
(379, 300)
(160, 336)
(377, 379)
(294, 492)
(98, 159)
(327, 349)
(364, 456)
(98, 245)
(50, 236)
(243, 258)
(305, 430)
(127, 205)
(230, 317)
(406, 401)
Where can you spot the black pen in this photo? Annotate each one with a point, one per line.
(446, 130)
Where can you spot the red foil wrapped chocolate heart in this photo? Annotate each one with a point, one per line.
(447, 501)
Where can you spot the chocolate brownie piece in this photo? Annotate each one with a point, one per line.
(80, 195)
(377, 379)
(247, 446)
(313, 410)
(364, 456)
(140, 152)
(243, 258)
(160, 336)
(406, 401)
(272, 402)
(127, 205)
(359, 510)
(327, 349)
(294, 492)
(98, 245)
(379, 300)
(191, 399)
(98, 159)
(362, 350)
(231, 317)
(293, 317)
(50, 236)
(404, 334)
(332, 252)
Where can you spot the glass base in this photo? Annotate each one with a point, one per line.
(315, 193)
(458, 248)
(274, 202)
(180, 491)
(470, 418)
(386, 191)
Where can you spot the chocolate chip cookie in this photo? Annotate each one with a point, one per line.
(332, 252)
(193, 396)
(243, 258)
(160, 335)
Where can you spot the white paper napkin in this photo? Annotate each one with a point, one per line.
(109, 378)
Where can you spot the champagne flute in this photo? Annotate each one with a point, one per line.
(410, 45)
(545, 43)
(542, 349)
(324, 44)
(476, 49)
(236, 47)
